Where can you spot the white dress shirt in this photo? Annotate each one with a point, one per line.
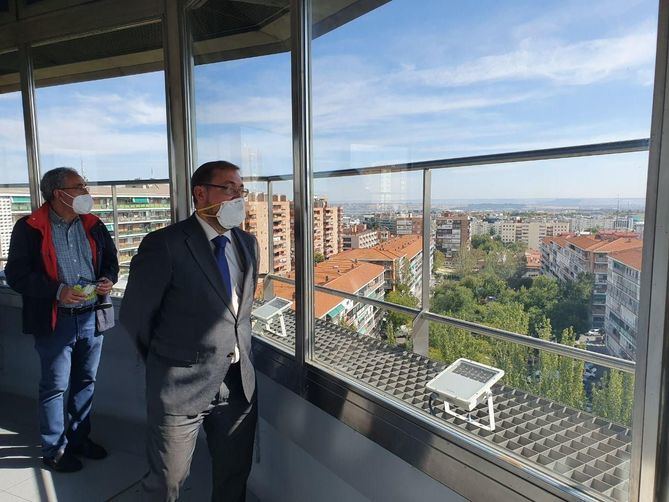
(234, 264)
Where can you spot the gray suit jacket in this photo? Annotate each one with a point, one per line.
(178, 313)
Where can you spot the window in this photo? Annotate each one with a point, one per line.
(14, 191)
(511, 246)
(110, 128)
(242, 93)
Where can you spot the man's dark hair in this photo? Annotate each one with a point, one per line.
(55, 179)
(205, 173)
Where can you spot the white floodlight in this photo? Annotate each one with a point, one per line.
(270, 311)
(466, 384)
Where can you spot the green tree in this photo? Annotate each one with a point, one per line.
(319, 257)
(466, 261)
(549, 373)
(614, 397)
(511, 357)
(539, 300)
(573, 306)
(570, 387)
(391, 339)
(454, 300)
(401, 296)
(438, 262)
(607, 397)
(448, 343)
(347, 324)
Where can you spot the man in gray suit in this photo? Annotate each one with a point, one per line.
(187, 305)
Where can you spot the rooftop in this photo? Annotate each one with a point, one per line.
(600, 243)
(402, 246)
(350, 277)
(631, 258)
(571, 444)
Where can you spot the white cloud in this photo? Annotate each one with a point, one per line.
(578, 63)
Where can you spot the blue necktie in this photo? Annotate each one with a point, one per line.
(219, 251)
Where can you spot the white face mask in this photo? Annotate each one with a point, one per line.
(81, 204)
(231, 213)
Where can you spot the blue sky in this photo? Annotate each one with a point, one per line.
(398, 84)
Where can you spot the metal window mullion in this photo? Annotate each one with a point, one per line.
(649, 433)
(178, 93)
(421, 326)
(270, 228)
(302, 181)
(30, 123)
(114, 190)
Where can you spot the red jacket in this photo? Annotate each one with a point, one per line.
(32, 265)
(40, 221)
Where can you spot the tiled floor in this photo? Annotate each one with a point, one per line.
(114, 478)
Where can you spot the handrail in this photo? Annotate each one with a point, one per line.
(500, 334)
(614, 147)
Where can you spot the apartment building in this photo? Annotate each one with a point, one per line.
(14, 204)
(401, 257)
(129, 212)
(621, 322)
(568, 256)
(327, 227)
(359, 236)
(532, 263)
(409, 225)
(359, 278)
(256, 223)
(452, 234)
(6, 224)
(531, 233)
(479, 226)
(396, 223)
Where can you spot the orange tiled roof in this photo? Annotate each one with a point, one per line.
(620, 245)
(630, 257)
(533, 259)
(350, 280)
(607, 243)
(560, 240)
(392, 249)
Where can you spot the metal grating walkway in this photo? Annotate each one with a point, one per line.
(575, 445)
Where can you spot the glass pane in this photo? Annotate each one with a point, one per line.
(464, 79)
(101, 105)
(243, 115)
(130, 211)
(14, 191)
(548, 249)
(381, 222)
(522, 248)
(524, 234)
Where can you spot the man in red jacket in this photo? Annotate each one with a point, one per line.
(63, 261)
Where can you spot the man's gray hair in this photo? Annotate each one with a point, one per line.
(53, 180)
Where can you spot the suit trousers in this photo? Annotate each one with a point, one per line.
(230, 425)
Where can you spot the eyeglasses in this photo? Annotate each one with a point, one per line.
(230, 190)
(76, 187)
